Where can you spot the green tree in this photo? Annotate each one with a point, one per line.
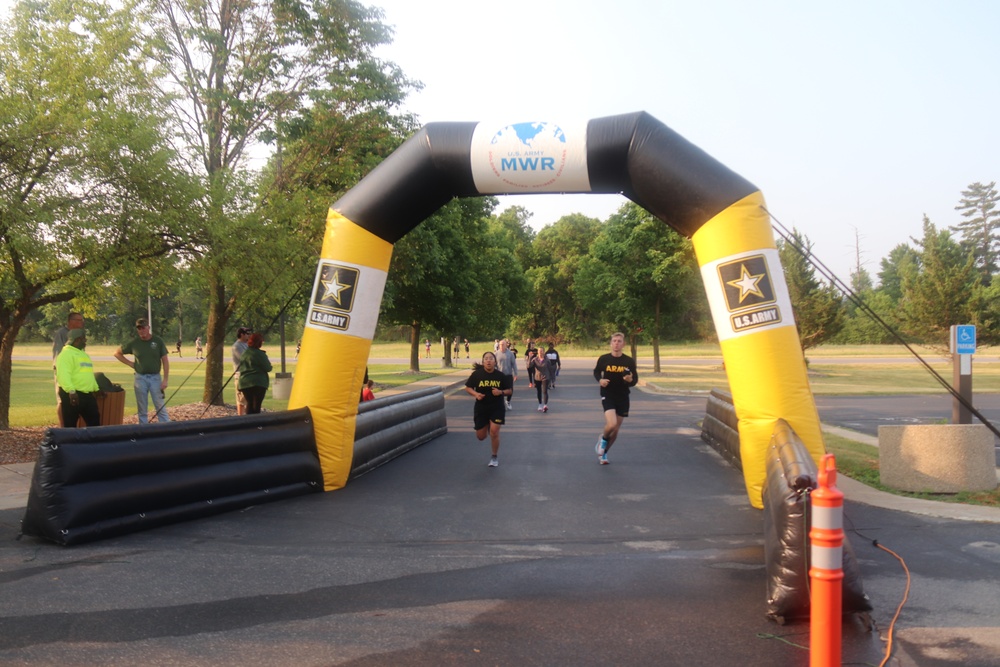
(861, 329)
(861, 280)
(817, 307)
(979, 229)
(986, 304)
(248, 72)
(513, 228)
(554, 313)
(902, 261)
(88, 185)
(453, 274)
(640, 275)
(942, 291)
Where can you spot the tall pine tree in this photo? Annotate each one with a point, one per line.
(979, 229)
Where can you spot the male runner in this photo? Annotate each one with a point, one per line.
(615, 372)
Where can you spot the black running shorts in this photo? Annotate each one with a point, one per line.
(617, 403)
(487, 413)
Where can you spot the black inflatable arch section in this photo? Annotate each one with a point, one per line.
(630, 154)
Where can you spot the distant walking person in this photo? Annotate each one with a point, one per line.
(615, 372)
(199, 350)
(554, 365)
(529, 346)
(151, 355)
(507, 364)
(427, 348)
(466, 348)
(539, 365)
(488, 386)
(254, 367)
(179, 343)
(77, 385)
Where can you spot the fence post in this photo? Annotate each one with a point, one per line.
(826, 573)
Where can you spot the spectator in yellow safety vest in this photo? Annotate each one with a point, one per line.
(77, 384)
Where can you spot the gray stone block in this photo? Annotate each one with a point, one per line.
(937, 458)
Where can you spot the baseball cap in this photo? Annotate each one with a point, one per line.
(76, 333)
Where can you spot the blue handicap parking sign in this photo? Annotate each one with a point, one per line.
(965, 339)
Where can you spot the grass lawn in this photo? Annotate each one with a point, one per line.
(33, 390)
(33, 400)
(831, 379)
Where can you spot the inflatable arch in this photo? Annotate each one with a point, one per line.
(632, 154)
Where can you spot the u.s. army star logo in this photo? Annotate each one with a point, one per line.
(749, 293)
(746, 283)
(333, 297)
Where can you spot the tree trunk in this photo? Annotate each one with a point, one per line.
(180, 325)
(415, 347)
(216, 358)
(656, 336)
(446, 353)
(6, 366)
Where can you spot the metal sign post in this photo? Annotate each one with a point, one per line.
(963, 346)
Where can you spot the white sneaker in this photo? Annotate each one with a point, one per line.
(493, 462)
(540, 408)
(508, 405)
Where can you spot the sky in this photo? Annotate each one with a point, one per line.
(854, 118)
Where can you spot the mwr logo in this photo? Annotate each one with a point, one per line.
(746, 283)
(333, 296)
(755, 318)
(528, 155)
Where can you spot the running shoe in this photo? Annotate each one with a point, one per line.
(507, 403)
(601, 446)
(545, 408)
(540, 408)
(604, 460)
(494, 463)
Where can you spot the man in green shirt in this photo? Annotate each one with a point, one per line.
(77, 384)
(151, 355)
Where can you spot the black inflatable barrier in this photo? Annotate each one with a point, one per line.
(96, 483)
(791, 477)
(720, 428)
(393, 425)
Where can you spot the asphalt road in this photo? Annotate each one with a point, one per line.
(435, 559)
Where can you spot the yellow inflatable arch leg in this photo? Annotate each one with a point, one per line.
(752, 311)
(340, 325)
